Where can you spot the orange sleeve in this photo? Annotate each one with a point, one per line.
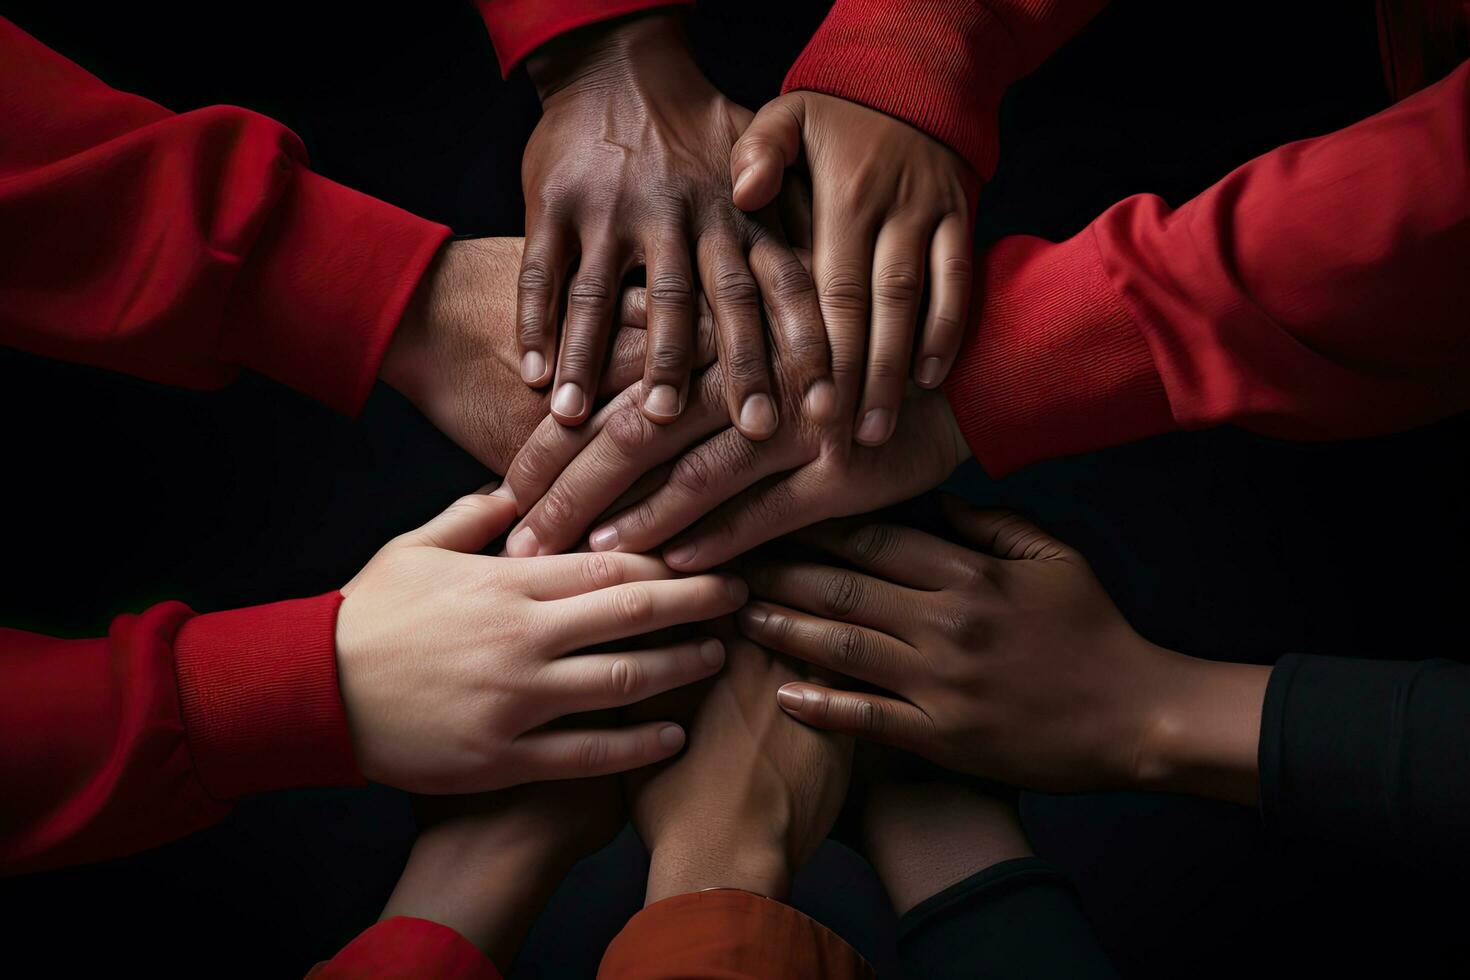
(726, 935)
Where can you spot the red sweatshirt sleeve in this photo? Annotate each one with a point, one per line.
(518, 27)
(114, 745)
(1321, 291)
(181, 248)
(940, 65)
(407, 947)
(728, 934)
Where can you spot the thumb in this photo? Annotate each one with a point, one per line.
(468, 525)
(1003, 533)
(768, 146)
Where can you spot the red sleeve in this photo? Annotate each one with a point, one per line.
(728, 934)
(181, 248)
(114, 745)
(940, 65)
(518, 27)
(1320, 291)
(407, 947)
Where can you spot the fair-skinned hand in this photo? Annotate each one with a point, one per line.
(486, 865)
(454, 353)
(629, 166)
(1008, 662)
(892, 216)
(563, 479)
(451, 662)
(753, 795)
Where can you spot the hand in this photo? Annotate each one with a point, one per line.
(1010, 662)
(450, 662)
(630, 166)
(923, 834)
(486, 865)
(892, 209)
(751, 798)
(563, 479)
(454, 352)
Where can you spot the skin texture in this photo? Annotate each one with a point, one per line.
(451, 662)
(486, 865)
(454, 353)
(629, 167)
(753, 795)
(740, 493)
(1008, 662)
(892, 218)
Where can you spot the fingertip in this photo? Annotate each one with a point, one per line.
(930, 372)
(712, 652)
(754, 186)
(758, 419)
(533, 368)
(791, 699)
(569, 404)
(876, 427)
(523, 543)
(670, 738)
(663, 403)
(739, 591)
(820, 402)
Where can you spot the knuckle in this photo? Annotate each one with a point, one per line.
(691, 474)
(599, 572)
(666, 357)
(850, 648)
(734, 455)
(671, 290)
(896, 286)
(875, 544)
(870, 717)
(590, 293)
(841, 594)
(742, 364)
(632, 607)
(625, 678)
(557, 509)
(590, 753)
(629, 432)
(957, 267)
(772, 506)
(535, 277)
(886, 369)
(735, 288)
(790, 281)
(843, 290)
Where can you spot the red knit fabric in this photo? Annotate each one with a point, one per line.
(403, 947)
(518, 27)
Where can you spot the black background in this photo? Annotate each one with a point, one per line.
(118, 493)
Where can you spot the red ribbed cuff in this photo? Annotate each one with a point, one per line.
(941, 66)
(1055, 364)
(258, 690)
(407, 947)
(518, 27)
(318, 300)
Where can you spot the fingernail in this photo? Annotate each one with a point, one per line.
(742, 180)
(712, 652)
(681, 555)
(533, 366)
(568, 401)
(876, 426)
(929, 371)
(789, 699)
(671, 737)
(663, 401)
(754, 616)
(522, 544)
(604, 539)
(821, 402)
(758, 415)
(738, 592)
(504, 492)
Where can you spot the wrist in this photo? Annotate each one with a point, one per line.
(1203, 732)
(712, 860)
(609, 53)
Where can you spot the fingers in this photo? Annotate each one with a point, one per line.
(562, 576)
(635, 315)
(573, 479)
(670, 297)
(951, 276)
(577, 754)
(592, 298)
(544, 262)
(842, 268)
(761, 155)
(702, 479)
(760, 514)
(735, 300)
(855, 651)
(898, 283)
(869, 716)
(639, 607)
(796, 320)
(593, 681)
(835, 593)
(1002, 533)
(468, 525)
(898, 554)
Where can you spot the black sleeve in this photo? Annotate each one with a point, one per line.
(1015, 919)
(1372, 755)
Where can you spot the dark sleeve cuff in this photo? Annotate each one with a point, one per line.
(1369, 754)
(1054, 363)
(1018, 918)
(407, 947)
(518, 27)
(261, 706)
(317, 301)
